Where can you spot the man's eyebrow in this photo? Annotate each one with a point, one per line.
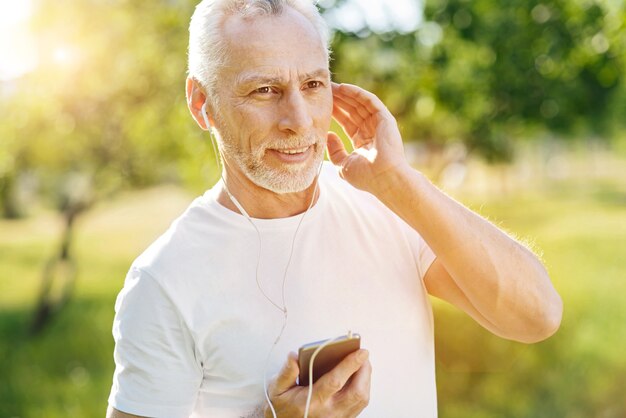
(258, 79)
(321, 73)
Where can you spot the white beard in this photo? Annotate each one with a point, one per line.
(286, 178)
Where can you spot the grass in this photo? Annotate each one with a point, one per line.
(66, 371)
(579, 226)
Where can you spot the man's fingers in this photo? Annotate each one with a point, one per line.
(366, 106)
(357, 392)
(360, 108)
(358, 96)
(344, 120)
(336, 151)
(356, 111)
(286, 378)
(333, 381)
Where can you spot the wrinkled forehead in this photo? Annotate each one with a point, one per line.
(282, 40)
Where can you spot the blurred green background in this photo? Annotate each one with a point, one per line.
(518, 109)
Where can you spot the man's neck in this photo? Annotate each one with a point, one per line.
(261, 203)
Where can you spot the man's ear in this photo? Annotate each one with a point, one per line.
(196, 97)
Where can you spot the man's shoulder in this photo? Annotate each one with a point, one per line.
(189, 236)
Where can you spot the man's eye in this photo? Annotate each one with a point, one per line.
(263, 90)
(313, 84)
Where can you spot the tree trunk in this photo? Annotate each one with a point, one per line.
(59, 277)
(8, 197)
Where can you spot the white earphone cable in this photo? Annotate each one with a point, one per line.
(283, 309)
(310, 389)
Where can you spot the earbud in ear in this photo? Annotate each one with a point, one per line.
(205, 116)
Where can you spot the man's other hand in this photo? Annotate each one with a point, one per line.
(342, 392)
(114, 413)
(378, 149)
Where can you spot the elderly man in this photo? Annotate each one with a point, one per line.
(286, 249)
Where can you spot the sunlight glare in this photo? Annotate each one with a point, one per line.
(17, 49)
(63, 55)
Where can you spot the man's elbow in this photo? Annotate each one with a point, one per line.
(546, 309)
(553, 316)
(546, 322)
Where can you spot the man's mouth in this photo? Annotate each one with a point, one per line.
(293, 155)
(293, 151)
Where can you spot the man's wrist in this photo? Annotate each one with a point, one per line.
(396, 182)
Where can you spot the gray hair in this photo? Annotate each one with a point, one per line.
(206, 46)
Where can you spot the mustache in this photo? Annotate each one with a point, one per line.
(298, 141)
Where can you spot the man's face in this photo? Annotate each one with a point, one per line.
(275, 100)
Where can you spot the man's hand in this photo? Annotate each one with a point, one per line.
(374, 133)
(342, 392)
(114, 413)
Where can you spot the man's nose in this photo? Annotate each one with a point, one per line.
(295, 114)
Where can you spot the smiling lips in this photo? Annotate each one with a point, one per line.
(292, 151)
(293, 155)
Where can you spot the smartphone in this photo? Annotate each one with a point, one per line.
(327, 358)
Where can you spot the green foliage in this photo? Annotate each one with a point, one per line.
(553, 62)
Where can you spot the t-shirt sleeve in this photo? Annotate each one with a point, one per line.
(423, 254)
(425, 258)
(157, 369)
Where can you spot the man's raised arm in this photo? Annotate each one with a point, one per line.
(479, 268)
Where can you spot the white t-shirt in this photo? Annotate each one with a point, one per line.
(193, 330)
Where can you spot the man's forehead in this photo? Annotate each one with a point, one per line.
(253, 33)
(273, 49)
